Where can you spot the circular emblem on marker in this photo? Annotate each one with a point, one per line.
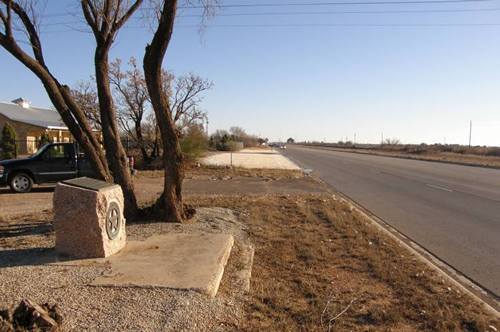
(113, 220)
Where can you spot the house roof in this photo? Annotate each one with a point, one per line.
(40, 117)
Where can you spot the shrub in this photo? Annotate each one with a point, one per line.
(8, 143)
(194, 143)
(415, 149)
(223, 140)
(461, 149)
(493, 152)
(230, 146)
(44, 139)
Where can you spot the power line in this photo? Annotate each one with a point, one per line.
(315, 13)
(323, 13)
(319, 13)
(317, 25)
(343, 25)
(301, 4)
(352, 12)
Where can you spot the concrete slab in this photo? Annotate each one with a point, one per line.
(248, 158)
(244, 275)
(179, 261)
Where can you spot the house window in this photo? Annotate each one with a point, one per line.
(31, 144)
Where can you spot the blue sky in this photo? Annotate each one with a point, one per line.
(416, 78)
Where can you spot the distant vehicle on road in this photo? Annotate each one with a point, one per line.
(52, 163)
(278, 145)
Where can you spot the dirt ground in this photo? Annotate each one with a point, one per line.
(319, 266)
(199, 180)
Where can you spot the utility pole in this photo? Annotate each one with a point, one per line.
(354, 138)
(470, 133)
(382, 138)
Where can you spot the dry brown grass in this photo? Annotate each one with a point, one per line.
(477, 156)
(319, 267)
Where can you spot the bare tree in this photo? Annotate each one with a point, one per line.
(238, 132)
(85, 96)
(105, 18)
(21, 19)
(184, 94)
(152, 135)
(391, 141)
(186, 100)
(132, 99)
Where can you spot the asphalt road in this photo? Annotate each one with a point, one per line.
(451, 210)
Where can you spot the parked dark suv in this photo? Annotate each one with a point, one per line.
(52, 163)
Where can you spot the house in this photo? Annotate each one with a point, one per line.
(30, 123)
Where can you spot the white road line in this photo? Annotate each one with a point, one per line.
(438, 187)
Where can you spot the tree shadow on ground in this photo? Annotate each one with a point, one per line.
(152, 214)
(27, 257)
(6, 191)
(24, 229)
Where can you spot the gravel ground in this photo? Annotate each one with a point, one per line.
(40, 199)
(24, 273)
(251, 158)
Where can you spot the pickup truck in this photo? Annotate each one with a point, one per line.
(52, 163)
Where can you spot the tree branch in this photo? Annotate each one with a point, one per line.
(127, 15)
(31, 30)
(91, 16)
(8, 5)
(106, 22)
(7, 20)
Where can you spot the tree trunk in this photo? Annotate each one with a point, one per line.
(170, 202)
(116, 156)
(140, 140)
(171, 199)
(156, 144)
